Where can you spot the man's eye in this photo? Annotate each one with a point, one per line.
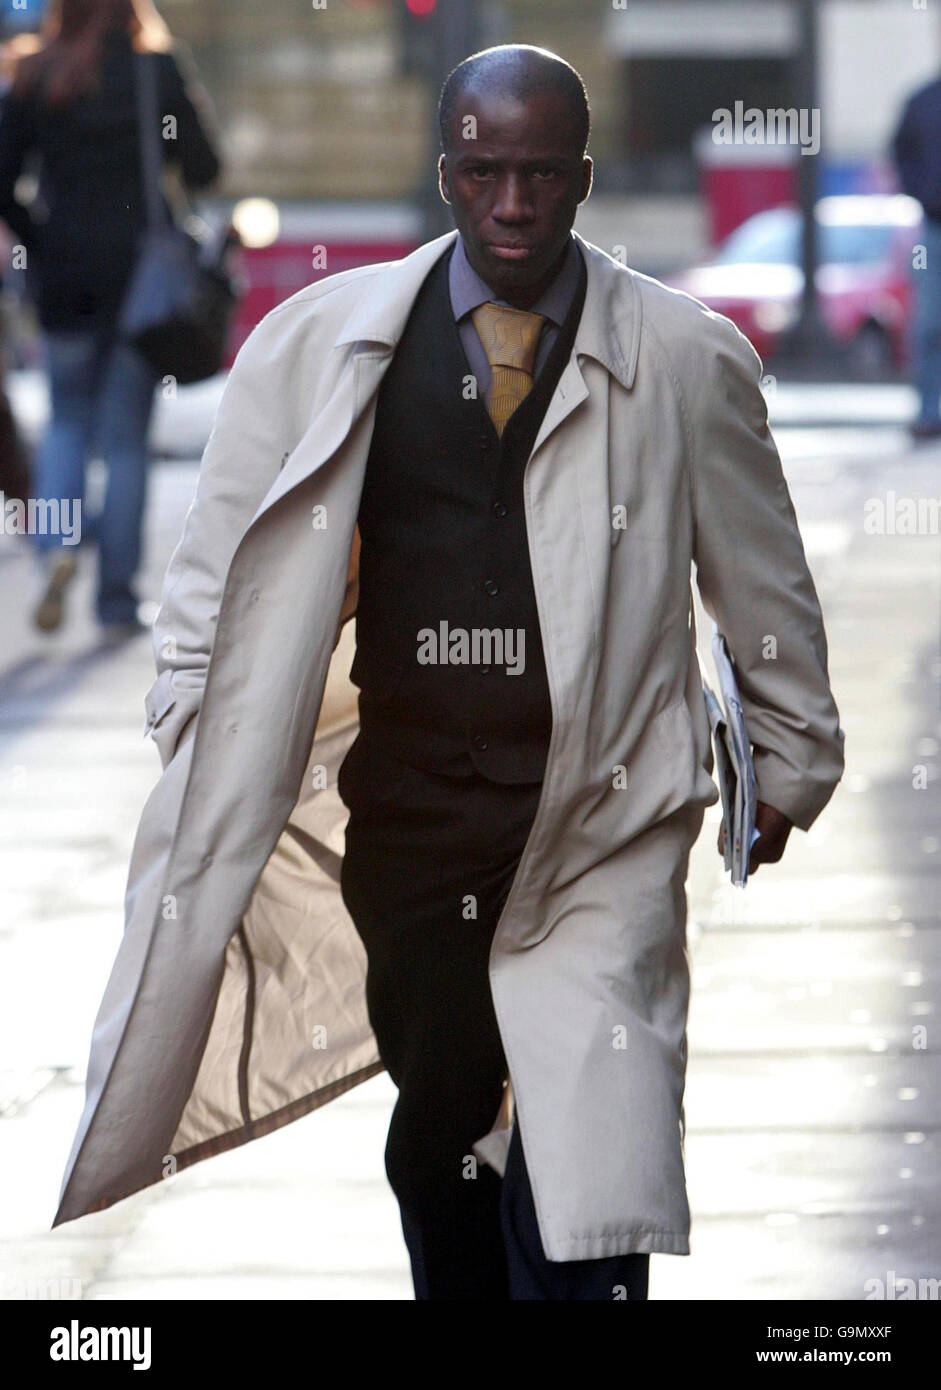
(480, 171)
(546, 172)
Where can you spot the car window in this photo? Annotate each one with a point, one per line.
(855, 244)
(773, 238)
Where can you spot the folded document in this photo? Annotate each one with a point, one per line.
(735, 771)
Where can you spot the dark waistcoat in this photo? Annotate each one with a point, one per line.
(444, 567)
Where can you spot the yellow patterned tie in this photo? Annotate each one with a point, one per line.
(509, 338)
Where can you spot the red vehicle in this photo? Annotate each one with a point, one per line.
(865, 245)
(287, 246)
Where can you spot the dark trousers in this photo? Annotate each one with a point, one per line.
(428, 863)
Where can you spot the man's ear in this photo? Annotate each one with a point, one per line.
(443, 178)
(587, 177)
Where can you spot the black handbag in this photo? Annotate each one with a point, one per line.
(181, 294)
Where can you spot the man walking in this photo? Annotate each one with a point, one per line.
(519, 447)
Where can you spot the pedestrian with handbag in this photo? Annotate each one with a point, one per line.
(76, 101)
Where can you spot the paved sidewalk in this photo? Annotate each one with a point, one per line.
(812, 1105)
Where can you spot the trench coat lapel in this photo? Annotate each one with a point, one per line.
(609, 332)
(372, 331)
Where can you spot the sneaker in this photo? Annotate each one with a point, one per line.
(60, 570)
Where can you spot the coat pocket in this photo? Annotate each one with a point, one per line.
(676, 736)
(158, 701)
(168, 714)
(663, 771)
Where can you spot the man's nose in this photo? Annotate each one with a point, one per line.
(513, 202)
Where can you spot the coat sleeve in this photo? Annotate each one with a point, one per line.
(251, 438)
(248, 443)
(908, 153)
(753, 577)
(197, 145)
(17, 138)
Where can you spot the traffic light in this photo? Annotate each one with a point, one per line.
(418, 28)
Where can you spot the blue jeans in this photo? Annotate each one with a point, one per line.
(926, 324)
(102, 394)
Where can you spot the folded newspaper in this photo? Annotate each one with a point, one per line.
(735, 771)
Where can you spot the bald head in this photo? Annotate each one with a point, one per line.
(514, 125)
(519, 71)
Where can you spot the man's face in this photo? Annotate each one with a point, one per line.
(515, 188)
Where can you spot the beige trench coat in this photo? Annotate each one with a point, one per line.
(236, 1001)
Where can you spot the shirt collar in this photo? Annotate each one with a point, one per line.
(468, 290)
(609, 329)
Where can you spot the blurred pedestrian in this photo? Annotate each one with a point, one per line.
(72, 101)
(917, 150)
(14, 466)
(14, 455)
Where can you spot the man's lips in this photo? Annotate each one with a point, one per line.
(510, 250)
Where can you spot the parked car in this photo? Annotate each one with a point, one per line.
(865, 244)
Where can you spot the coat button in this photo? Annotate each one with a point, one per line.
(484, 670)
(491, 587)
(480, 743)
(499, 509)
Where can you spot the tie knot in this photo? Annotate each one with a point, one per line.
(509, 336)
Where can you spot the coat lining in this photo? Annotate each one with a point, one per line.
(255, 1129)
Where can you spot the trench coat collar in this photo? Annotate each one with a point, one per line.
(609, 330)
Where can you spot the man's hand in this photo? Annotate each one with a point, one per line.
(773, 827)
